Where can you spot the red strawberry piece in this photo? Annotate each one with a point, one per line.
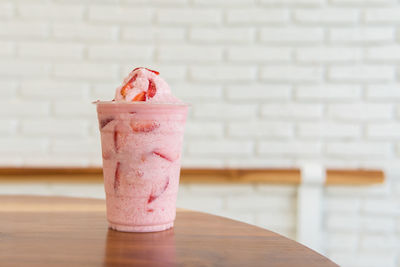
(163, 155)
(128, 85)
(117, 176)
(150, 210)
(105, 121)
(154, 196)
(144, 126)
(117, 140)
(152, 90)
(140, 97)
(154, 71)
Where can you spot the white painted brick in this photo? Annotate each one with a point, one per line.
(50, 51)
(381, 206)
(50, 11)
(362, 2)
(82, 146)
(257, 15)
(383, 130)
(260, 129)
(6, 10)
(342, 222)
(224, 111)
(342, 242)
(152, 34)
(329, 130)
(379, 242)
(75, 108)
(259, 162)
(221, 147)
(384, 53)
(327, 15)
(221, 190)
(223, 35)
(360, 111)
(259, 53)
(190, 53)
(388, 14)
(361, 34)
(85, 71)
(44, 89)
(343, 204)
(358, 149)
(195, 92)
(364, 259)
(7, 49)
(108, 13)
(8, 88)
(383, 91)
(19, 68)
(328, 92)
(208, 204)
(377, 224)
(259, 92)
(50, 160)
(223, 73)
(202, 162)
(25, 189)
(80, 190)
(121, 52)
(292, 34)
(362, 73)
(292, 2)
(8, 126)
(328, 54)
(104, 91)
(291, 73)
(168, 72)
(364, 191)
(24, 29)
(276, 220)
(223, 2)
(54, 127)
(290, 148)
(82, 31)
(23, 108)
(204, 129)
(23, 146)
(260, 203)
(274, 189)
(292, 111)
(185, 16)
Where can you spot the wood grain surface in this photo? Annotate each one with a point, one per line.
(239, 176)
(73, 232)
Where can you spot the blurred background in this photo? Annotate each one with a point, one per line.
(272, 84)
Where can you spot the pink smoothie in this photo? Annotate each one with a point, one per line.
(141, 148)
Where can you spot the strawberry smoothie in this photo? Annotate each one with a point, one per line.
(141, 137)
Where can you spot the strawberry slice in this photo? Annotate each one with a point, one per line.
(154, 196)
(140, 97)
(117, 140)
(151, 91)
(128, 85)
(163, 155)
(154, 71)
(105, 121)
(117, 176)
(144, 126)
(150, 210)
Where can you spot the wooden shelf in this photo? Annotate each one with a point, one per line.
(214, 176)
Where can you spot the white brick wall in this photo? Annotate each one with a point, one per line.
(272, 83)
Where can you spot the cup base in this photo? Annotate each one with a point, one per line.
(140, 228)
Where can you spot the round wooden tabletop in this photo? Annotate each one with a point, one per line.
(56, 231)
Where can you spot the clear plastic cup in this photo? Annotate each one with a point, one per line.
(141, 149)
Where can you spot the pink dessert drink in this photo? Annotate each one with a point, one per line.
(141, 148)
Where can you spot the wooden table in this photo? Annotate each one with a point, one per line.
(55, 231)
